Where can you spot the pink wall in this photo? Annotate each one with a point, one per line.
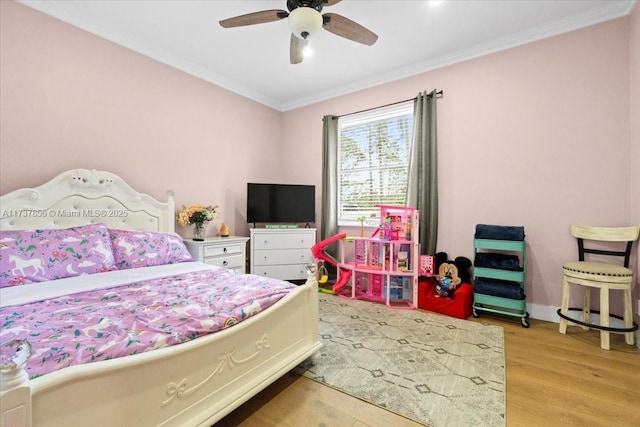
(634, 51)
(536, 135)
(70, 99)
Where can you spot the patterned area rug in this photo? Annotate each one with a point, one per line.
(436, 370)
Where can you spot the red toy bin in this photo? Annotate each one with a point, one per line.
(459, 306)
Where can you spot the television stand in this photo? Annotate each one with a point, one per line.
(281, 253)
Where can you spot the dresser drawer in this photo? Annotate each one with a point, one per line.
(234, 262)
(282, 253)
(282, 256)
(283, 272)
(223, 250)
(283, 241)
(229, 252)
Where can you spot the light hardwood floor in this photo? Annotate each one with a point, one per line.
(552, 380)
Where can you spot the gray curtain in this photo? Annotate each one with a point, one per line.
(329, 213)
(422, 191)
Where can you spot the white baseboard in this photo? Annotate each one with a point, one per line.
(543, 312)
(549, 313)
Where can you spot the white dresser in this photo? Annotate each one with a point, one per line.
(282, 253)
(229, 252)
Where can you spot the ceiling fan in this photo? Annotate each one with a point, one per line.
(305, 20)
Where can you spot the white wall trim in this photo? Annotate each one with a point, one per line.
(549, 313)
(543, 312)
(58, 10)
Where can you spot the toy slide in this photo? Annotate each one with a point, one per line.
(345, 276)
(318, 253)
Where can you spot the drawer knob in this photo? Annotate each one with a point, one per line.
(225, 263)
(224, 250)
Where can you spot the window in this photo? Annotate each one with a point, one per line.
(373, 160)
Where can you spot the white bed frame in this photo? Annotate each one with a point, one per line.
(192, 384)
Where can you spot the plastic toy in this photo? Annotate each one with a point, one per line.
(318, 251)
(445, 287)
(322, 270)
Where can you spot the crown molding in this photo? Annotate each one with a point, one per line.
(594, 17)
(60, 11)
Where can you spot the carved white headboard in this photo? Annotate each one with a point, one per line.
(82, 196)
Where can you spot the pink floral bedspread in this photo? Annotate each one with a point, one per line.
(108, 323)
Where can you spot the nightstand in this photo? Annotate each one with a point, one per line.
(229, 252)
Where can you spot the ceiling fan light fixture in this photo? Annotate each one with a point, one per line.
(307, 52)
(305, 21)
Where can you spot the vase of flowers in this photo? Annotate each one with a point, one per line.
(198, 231)
(198, 216)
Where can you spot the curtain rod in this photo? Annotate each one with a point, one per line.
(439, 94)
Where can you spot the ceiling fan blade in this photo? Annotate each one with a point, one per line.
(254, 18)
(330, 2)
(344, 27)
(296, 50)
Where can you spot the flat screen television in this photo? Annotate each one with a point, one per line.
(280, 203)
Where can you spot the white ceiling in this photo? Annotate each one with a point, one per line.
(414, 36)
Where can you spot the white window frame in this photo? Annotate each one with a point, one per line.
(363, 119)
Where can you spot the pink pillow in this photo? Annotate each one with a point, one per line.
(28, 256)
(133, 249)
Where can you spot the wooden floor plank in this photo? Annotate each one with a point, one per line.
(552, 379)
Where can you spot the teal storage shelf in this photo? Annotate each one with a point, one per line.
(500, 245)
(498, 303)
(492, 273)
